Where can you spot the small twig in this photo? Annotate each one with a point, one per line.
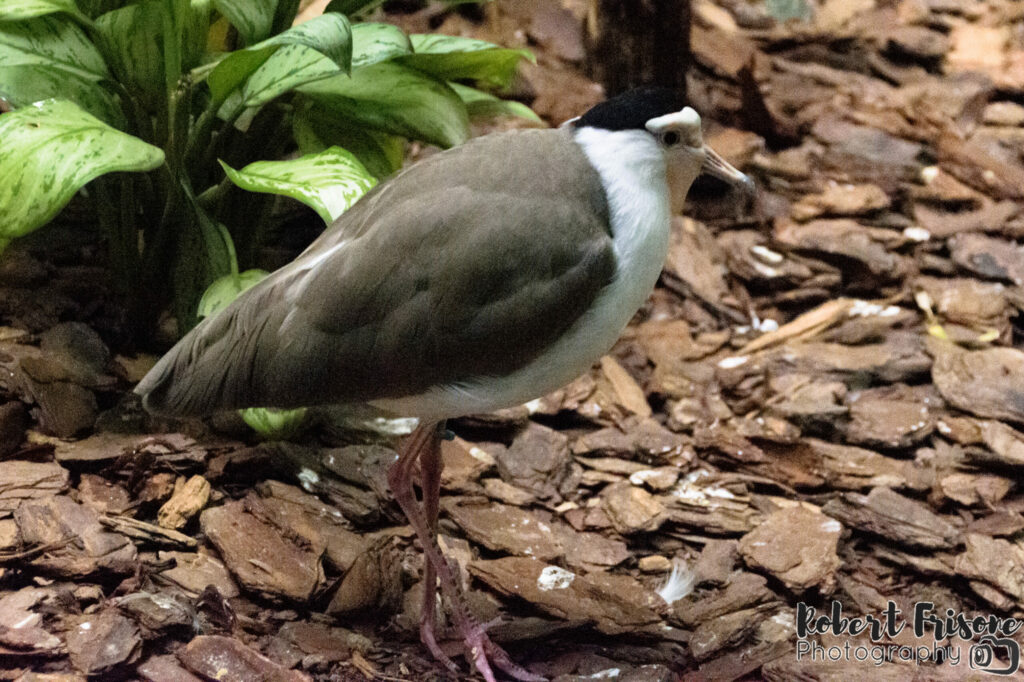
(7, 558)
(140, 530)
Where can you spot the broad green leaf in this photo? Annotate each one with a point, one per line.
(12, 10)
(51, 41)
(328, 182)
(315, 129)
(481, 104)
(454, 58)
(397, 100)
(329, 34)
(51, 55)
(132, 37)
(48, 151)
(374, 42)
(288, 68)
(254, 19)
(26, 83)
(226, 289)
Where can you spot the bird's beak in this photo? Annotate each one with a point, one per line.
(718, 167)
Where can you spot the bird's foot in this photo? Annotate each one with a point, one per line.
(429, 639)
(428, 632)
(482, 651)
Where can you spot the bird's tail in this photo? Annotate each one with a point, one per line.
(199, 374)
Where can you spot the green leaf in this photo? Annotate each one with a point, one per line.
(374, 42)
(485, 105)
(54, 42)
(328, 182)
(51, 56)
(48, 151)
(329, 34)
(254, 19)
(12, 10)
(284, 15)
(288, 68)
(132, 37)
(352, 7)
(226, 289)
(454, 58)
(196, 32)
(397, 100)
(220, 248)
(273, 423)
(315, 129)
(26, 83)
(176, 19)
(94, 8)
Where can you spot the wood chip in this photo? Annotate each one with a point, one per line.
(895, 517)
(188, 499)
(797, 546)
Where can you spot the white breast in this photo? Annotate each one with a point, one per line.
(632, 171)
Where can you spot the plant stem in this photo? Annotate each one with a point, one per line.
(203, 138)
(112, 223)
(129, 226)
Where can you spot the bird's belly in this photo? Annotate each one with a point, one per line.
(569, 357)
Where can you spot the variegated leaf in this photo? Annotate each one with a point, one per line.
(397, 100)
(374, 42)
(456, 58)
(48, 151)
(328, 182)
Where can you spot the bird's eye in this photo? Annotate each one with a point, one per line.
(670, 138)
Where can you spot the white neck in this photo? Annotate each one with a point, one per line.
(633, 173)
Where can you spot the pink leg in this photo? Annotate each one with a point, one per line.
(424, 444)
(430, 483)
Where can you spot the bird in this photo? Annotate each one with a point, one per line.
(479, 278)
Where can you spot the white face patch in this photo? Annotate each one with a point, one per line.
(686, 122)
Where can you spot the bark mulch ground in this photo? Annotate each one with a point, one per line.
(823, 400)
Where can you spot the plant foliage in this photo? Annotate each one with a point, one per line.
(163, 112)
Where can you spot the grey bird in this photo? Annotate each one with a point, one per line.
(480, 278)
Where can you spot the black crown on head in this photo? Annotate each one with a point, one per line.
(632, 109)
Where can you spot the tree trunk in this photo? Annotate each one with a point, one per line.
(638, 42)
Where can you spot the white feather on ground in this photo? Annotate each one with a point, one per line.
(679, 584)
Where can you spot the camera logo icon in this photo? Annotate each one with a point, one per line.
(982, 655)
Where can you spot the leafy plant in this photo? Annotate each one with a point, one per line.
(159, 108)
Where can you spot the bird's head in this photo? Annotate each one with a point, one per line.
(661, 116)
